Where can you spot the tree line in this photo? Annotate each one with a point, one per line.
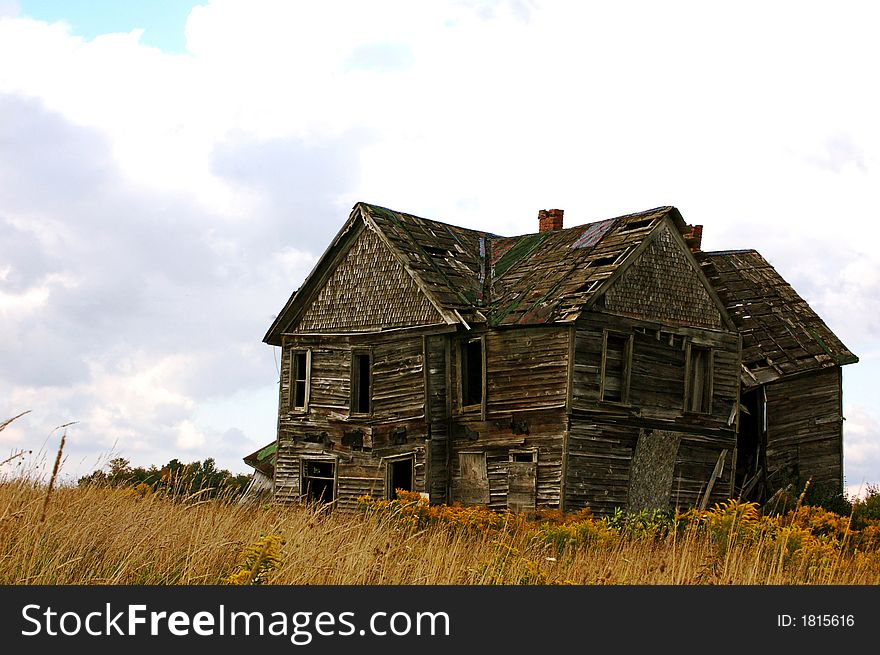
(174, 478)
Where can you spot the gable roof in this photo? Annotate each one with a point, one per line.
(448, 260)
(781, 333)
(472, 276)
(553, 276)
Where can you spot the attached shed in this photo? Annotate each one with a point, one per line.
(791, 425)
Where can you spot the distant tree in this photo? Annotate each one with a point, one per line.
(174, 479)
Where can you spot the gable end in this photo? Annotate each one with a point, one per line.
(662, 284)
(368, 290)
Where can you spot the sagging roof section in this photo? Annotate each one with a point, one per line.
(781, 334)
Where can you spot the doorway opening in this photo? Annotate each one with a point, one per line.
(751, 447)
(399, 475)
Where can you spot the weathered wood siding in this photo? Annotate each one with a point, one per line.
(497, 439)
(804, 429)
(437, 354)
(603, 436)
(396, 425)
(657, 374)
(527, 376)
(368, 289)
(527, 369)
(600, 465)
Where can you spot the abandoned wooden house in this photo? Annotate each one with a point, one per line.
(608, 365)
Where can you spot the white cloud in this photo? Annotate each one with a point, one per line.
(189, 437)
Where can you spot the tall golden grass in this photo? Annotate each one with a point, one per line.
(64, 535)
(93, 535)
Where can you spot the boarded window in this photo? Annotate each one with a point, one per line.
(616, 358)
(473, 467)
(472, 377)
(471, 485)
(698, 389)
(300, 373)
(522, 477)
(361, 383)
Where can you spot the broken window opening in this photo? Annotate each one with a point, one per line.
(472, 378)
(318, 480)
(361, 383)
(300, 374)
(698, 391)
(524, 456)
(616, 360)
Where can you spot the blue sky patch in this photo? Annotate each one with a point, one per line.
(163, 21)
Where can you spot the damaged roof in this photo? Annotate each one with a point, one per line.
(552, 276)
(781, 334)
(449, 260)
(472, 276)
(531, 279)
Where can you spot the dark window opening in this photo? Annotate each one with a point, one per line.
(299, 380)
(699, 387)
(615, 368)
(527, 458)
(472, 372)
(318, 478)
(360, 383)
(400, 476)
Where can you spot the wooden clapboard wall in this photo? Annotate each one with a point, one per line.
(804, 429)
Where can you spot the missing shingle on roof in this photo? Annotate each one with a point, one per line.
(638, 225)
(590, 286)
(602, 261)
(608, 260)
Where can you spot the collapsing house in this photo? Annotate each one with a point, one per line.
(609, 365)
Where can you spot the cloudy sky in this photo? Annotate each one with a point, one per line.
(171, 170)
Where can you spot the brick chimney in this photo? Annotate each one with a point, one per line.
(549, 219)
(694, 238)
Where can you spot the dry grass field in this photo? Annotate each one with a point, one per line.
(100, 535)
